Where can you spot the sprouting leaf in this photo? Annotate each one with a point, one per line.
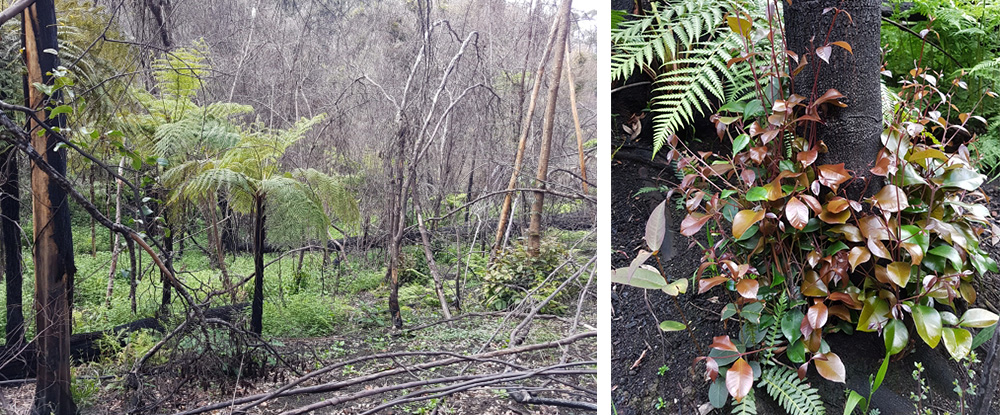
(899, 273)
(896, 336)
(853, 400)
(858, 255)
(744, 220)
(739, 379)
(797, 213)
(957, 341)
(747, 288)
(928, 323)
(891, 199)
(978, 318)
(831, 368)
(656, 227)
(824, 53)
(671, 325)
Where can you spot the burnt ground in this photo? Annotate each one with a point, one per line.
(640, 349)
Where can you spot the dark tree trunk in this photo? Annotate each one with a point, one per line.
(10, 218)
(168, 261)
(53, 250)
(257, 306)
(852, 134)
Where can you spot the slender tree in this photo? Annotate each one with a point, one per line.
(53, 248)
(10, 225)
(548, 121)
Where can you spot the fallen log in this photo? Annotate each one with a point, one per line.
(19, 362)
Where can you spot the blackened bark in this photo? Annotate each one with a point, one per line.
(10, 218)
(53, 249)
(257, 306)
(168, 261)
(852, 134)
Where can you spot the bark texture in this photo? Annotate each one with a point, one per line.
(10, 218)
(53, 250)
(852, 134)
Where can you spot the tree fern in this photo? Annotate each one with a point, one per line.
(795, 396)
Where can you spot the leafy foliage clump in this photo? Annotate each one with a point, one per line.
(517, 274)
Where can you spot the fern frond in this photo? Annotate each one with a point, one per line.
(748, 406)
(795, 396)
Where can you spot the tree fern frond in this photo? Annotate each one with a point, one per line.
(333, 192)
(795, 396)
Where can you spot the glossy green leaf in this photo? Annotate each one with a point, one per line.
(948, 252)
(957, 341)
(756, 194)
(796, 352)
(853, 400)
(978, 318)
(963, 178)
(880, 375)
(740, 143)
(899, 273)
(717, 394)
(644, 277)
(983, 336)
(896, 336)
(873, 314)
(671, 325)
(790, 324)
(928, 323)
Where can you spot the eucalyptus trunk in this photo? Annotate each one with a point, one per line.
(53, 248)
(852, 134)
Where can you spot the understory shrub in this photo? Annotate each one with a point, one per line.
(801, 256)
(516, 274)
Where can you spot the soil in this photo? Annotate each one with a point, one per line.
(641, 351)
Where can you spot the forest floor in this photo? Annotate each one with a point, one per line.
(309, 327)
(653, 371)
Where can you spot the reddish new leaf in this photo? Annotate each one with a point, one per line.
(891, 199)
(858, 255)
(845, 45)
(723, 343)
(797, 213)
(831, 95)
(706, 284)
(747, 288)
(739, 379)
(824, 53)
(831, 367)
(817, 315)
(832, 175)
(807, 157)
(693, 223)
(744, 220)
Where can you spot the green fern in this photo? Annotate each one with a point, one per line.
(795, 396)
(688, 70)
(748, 406)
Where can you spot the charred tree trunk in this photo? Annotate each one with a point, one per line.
(10, 225)
(548, 122)
(53, 250)
(257, 306)
(852, 134)
(168, 261)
